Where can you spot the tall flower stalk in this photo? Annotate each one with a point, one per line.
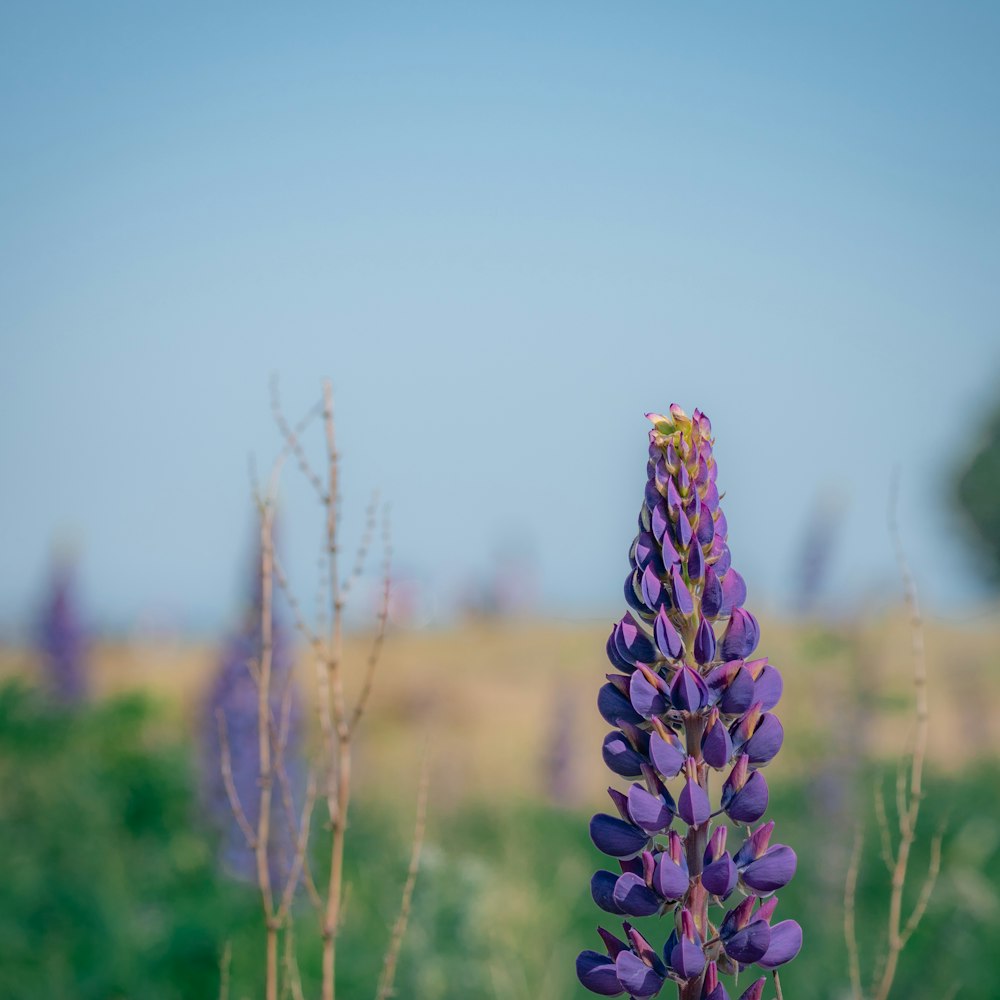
(686, 699)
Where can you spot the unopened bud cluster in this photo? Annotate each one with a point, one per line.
(687, 698)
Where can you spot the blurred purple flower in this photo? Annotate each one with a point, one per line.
(61, 639)
(233, 694)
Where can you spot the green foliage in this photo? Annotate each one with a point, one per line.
(976, 492)
(107, 884)
(109, 887)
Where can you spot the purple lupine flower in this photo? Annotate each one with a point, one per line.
(234, 694)
(686, 698)
(60, 638)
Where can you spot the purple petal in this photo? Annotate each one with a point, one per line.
(651, 812)
(652, 589)
(637, 977)
(768, 687)
(711, 596)
(724, 558)
(693, 806)
(617, 660)
(786, 942)
(668, 639)
(633, 593)
(602, 889)
(706, 523)
(738, 695)
(659, 521)
(667, 758)
(754, 990)
(734, 592)
(704, 642)
(696, 564)
(613, 705)
(616, 837)
(645, 698)
(766, 740)
(670, 880)
(750, 802)
(681, 596)
(620, 756)
(597, 973)
(634, 897)
(741, 636)
(633, 644)
(750, 943)
(717, 746)
(772, 870)
(644, 547)
(720, 876)
(687, 959)
(688, 692)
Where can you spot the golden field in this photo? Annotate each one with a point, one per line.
(492, 700)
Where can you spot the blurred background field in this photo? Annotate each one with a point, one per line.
(504, 231)
(107, 797)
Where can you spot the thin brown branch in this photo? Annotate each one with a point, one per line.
(386, 980)
(777, 985)
(885, 839)
(908, 811)
(301, 846)
(380, 629)
(361, 556)
(292, 438)
(226, 762)
(293, 603)
(926, 890)
(850, 903)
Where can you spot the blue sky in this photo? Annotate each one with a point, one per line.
(504, 231)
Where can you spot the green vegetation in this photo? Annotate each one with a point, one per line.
(109, 888)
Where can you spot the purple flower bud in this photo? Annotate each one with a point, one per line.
(692, 805)
(704, 642)
(744, 793)
(633, 897)
(681, 596)
(696, 564)
(620, 756)
(772, 870)
(666, 752)
(602, 889)
(767, 683)
(688, 692)
(734, 592)
(670, 873)
(668, 639)
(741, 636)
(613, 705)
(639, 979)
(716, 744)
(711, 988)
(646, 693)
(632, 643)
(653, 589)
(633, 594)
(686, 956)
(711, 596)
(598, 974)
(615, 837)
(754, 991)
(786, 942)
(654, 813)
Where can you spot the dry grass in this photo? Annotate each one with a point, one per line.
(486, 694)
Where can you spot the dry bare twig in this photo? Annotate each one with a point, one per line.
(909, 793)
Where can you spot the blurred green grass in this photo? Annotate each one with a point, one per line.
(109, 887)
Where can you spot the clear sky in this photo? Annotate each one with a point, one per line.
(505, 231)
